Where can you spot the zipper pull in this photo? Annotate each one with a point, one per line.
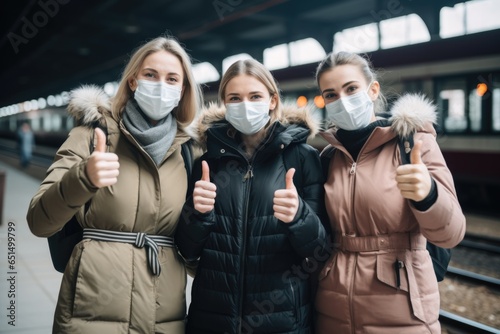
(249, 173)
(353, 168)
(397, 266)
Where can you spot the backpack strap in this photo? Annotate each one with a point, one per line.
(405, 146)
(187, 156)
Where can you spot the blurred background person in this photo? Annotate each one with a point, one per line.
(26, 144)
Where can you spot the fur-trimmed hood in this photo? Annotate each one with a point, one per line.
(291, 114)
(412, 113)
(89, 104)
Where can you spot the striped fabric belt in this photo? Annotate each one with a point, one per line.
(139, 239)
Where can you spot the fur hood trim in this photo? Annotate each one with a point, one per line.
(88, 104)
(412, 113)
(291, 114)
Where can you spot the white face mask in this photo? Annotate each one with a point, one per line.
(248, 117)
(351, 112)
(157, 99)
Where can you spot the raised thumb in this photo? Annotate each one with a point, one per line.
(415, 156)
(99, 140)
(289, 179)
(205, 171)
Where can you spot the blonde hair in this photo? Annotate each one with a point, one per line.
(255, 69)
(192, 98)
(348, 58)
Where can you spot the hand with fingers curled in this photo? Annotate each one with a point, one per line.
(102, 167)
(204, 191)
(286, 201)
(414, 180)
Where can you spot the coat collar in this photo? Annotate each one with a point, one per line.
(213, 116)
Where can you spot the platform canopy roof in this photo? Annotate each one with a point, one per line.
(49, 46)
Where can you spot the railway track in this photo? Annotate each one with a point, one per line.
(459, 325)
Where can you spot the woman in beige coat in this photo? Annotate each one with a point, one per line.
(125, 276)
(380, 278)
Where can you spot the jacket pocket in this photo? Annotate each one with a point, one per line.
(424, 291)
(399, 270)
(104, 282)
(391, 270)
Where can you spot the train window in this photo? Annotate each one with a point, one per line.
(13, 124)
(496, 109)
(46, 122)
(56, 122)
(475, 107)
(452, 104)
(70, 122)
(35, 124)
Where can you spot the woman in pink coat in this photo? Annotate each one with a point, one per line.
(380, 277)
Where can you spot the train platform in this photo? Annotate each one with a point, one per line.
(32, 284)
(29, 285)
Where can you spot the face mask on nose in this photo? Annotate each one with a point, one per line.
(248, 117)
(157, 99)
(351, 112)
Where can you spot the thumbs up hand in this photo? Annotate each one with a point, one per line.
(286, 201)
(414, 180)
(204, 191)
(102, 167)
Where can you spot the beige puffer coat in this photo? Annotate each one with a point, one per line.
(108, 287)
(376, 227)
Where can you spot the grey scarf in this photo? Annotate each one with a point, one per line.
(155, 139)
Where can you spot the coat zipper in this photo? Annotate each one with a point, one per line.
(246, 179)
(352, 173)
(353, 169)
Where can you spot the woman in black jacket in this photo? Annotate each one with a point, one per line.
(252, 220)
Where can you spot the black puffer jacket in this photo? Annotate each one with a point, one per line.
(253, 275)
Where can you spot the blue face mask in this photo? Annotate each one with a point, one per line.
(351, 112)
(248, 117)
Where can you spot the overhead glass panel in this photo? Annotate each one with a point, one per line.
(205, 72)
(469, 17)
(358, 39)
(403, 30)
(306, 51)
(228, 61)
(276, 57)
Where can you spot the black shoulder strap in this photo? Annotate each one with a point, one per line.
(101, 124)
(405, 146)
(187, 155)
